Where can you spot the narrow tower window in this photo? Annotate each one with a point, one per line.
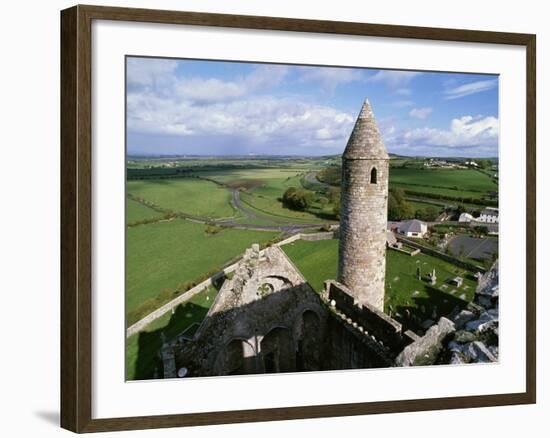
(373, 176)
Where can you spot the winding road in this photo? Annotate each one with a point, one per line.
(279, 224)
(311, 177)
(274, 223)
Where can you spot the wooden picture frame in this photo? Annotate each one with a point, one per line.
(76, 217)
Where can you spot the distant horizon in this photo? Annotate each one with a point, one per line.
(130, 155)
(190, 107)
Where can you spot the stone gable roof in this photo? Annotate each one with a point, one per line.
(365, 142)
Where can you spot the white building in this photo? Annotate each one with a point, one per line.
(489, 215)
(465, 217)
(412, 228)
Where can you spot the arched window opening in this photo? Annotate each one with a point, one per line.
(373, 176)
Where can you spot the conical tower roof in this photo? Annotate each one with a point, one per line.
(365, 142)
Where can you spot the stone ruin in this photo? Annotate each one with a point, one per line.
(268, 319)
(363, 212)
(467, 336)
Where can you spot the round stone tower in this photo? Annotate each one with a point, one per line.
(363, 212)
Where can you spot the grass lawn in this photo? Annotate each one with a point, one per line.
(142, 348)
(264, 189)
(164, 255)
(405, 294)
(463, 179)
(187, 195)
(137, 212)
(417, 205)
(450, 182)
(272, 206)
(317, 261)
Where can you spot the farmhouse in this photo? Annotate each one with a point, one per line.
(465, 217)
(489, 215)
(413, 228)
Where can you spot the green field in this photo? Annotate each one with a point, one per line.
(404, 292)
(166, 255)
(142, 348)
(463, 179)
(136, 212)
(417, 205)
(187, 195)
(263, 189)
(447, 182)
(317, 261)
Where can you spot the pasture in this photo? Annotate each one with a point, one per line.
(263, 189)
(419, 205)
(447, 182)
(405, 293)
(192, 196)
(136, 212)
(165, 256)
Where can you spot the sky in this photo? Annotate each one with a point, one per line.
(193, 107)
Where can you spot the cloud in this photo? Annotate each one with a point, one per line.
(420, 113)
(402, 103)
(471, 88)
(256, 120)
(475, 136)
(331, 77)
(209, 111)
(147, 71)
(266, 76)
(215, 90)
(403, 91)
(394, 79)
(209, 90)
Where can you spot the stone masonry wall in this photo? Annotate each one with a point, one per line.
(362, 250)
(266, 303)
(377, 324)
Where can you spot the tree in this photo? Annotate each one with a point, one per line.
(431, 213)
(484, 164)
(296, 199)
(428, 214)
(334, 195)
(398, 207)
(399, 195)
(394, 211)
(481, 229)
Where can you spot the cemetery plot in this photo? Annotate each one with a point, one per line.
(409, 299)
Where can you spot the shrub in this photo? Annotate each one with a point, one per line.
(213, 229)
(296, 199)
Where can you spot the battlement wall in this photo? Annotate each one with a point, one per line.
(379, 325)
